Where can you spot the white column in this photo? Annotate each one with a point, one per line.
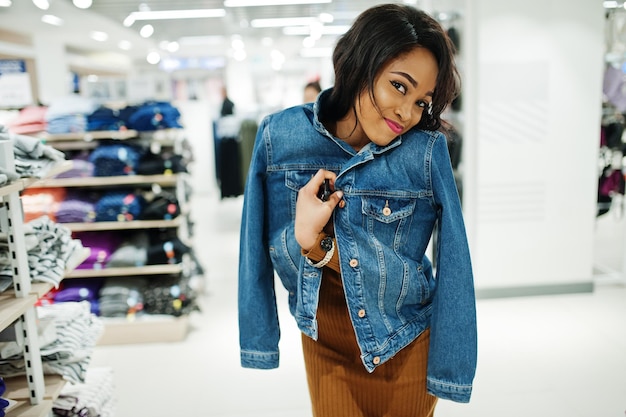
(534, 71)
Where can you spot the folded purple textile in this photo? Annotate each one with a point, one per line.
(102, 245)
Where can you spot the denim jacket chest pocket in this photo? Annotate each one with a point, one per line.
(405, 281)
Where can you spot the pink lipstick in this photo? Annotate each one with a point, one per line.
(395, 127)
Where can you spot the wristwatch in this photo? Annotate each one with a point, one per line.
(328, 244)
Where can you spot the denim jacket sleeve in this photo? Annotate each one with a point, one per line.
(454, 308)
(259, 331)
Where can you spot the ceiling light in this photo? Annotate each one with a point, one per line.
(173, 47)
(42, 4)
(173, 14)
(237, 43)
(610, 4)
(308, 42)
(98, 36)
(239, 55)
(146, 31)
(52, 20)
(248, 3)
(125, 45)
(153, 58)
(326, 18)
(282, 21)
(82, 4)
(5, 3)
(169, 46)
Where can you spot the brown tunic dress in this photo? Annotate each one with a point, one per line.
(339, 384)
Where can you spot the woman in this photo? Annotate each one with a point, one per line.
(382, 334)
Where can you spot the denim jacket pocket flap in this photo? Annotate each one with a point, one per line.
(295, 180)
(388, 210)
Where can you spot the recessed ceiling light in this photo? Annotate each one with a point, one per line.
(125, 45)
(146, 31)
(169, 46)
(98, 36)
(52, 20)
(42, 4)
(5, 3)
(153, 58)
(82, 4)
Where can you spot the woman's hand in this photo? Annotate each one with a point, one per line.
(312, 214)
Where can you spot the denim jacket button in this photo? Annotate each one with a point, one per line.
(361, 313)
(354, 263)
(342, 203)
(386, 211)
(376, 360)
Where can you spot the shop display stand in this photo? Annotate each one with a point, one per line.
(34, 396)
(146, 329)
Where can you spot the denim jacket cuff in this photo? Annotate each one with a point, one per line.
(449, 391)
(259, 360)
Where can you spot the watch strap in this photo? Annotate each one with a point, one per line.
(324, 260)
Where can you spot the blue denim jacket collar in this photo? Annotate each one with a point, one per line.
(384, 269)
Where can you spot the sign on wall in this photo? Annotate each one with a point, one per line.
(15, 88)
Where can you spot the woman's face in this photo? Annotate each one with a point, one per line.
(403, 90)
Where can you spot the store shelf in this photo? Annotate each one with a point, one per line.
(135, 224)
(12, 307)
(126, 271)
(56, 170)
(77, 260)
(24, 409)
(144, 329)
(89, 136)
(163, 180)
(21, 183)
(17, 388)
(11, 188)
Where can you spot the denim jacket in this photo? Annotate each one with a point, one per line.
(394, 195)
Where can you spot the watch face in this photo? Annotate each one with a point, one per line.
(327, 243)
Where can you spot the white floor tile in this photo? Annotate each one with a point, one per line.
(551, 356)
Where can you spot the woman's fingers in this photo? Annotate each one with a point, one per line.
(312, 214)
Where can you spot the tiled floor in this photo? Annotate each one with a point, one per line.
(547, 356)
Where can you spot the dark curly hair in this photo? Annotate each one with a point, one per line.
(382, 33)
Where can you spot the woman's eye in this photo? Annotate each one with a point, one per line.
(399, 86)
(422, 103)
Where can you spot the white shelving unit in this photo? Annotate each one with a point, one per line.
(33, 393)
(20, 307)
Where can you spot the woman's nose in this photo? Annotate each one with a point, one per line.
(404, 111)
